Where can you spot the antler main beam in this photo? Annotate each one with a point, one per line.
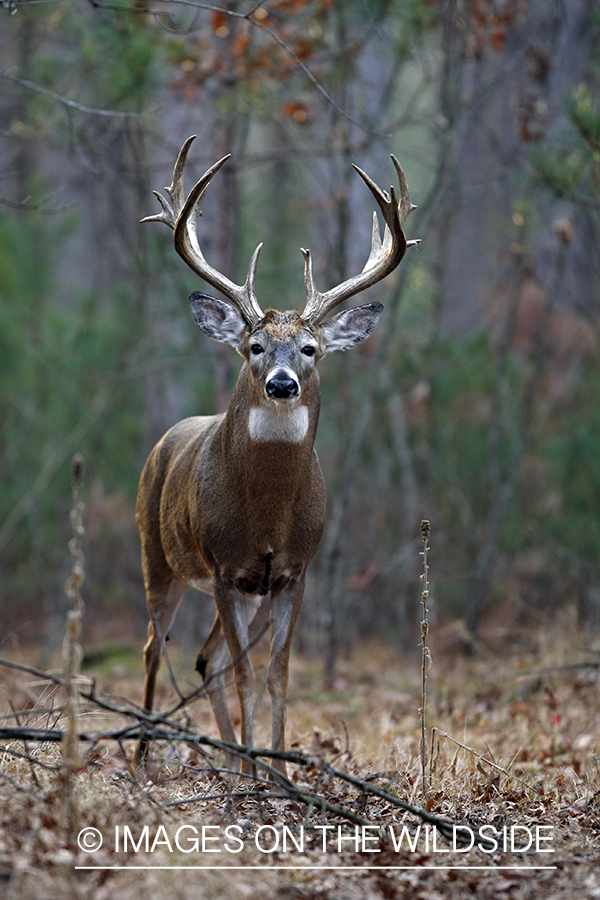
(182, 216)
(383, 258)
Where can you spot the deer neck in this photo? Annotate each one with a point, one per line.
(254, 427)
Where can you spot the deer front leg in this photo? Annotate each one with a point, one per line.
(236, 613)
(285, 606)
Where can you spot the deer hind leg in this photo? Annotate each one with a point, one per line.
(212, 660)
(162, 606)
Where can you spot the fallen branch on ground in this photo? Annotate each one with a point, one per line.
(156, 727)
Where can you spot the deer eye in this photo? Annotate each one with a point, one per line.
(256, 349)
(309, 350)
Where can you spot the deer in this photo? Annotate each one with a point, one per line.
(234, 504)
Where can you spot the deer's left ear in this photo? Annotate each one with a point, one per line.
(350, 327)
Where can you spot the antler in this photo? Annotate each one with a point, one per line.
(182, 216)
(383, 258)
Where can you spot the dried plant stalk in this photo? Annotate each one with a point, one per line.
(425, 654)
(72, 652)
(504, 770)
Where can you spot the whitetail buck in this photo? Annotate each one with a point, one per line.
(234, 504)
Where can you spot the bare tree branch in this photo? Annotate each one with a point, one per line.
(157, 727)
(33, 207)
(248, 17)
(56, 458)
(71, 104)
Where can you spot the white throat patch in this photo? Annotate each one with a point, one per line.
(272, 424)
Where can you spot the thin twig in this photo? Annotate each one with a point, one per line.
(317, 83)
(70, 104)
(483, 759)
(49, 767)
(31, 670)
(256, 755)
(425, 654)
(71, 651)
(16, 784)
(248, 17)
(564, 667)
(40, 207)
(92, 413)
(26, 755)
(158, 727)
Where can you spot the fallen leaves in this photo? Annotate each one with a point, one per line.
(516, 752)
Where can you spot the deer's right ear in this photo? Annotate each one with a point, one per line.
(217, 319)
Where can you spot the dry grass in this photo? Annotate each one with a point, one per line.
(537, 722)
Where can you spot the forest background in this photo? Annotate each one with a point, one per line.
(476, 404)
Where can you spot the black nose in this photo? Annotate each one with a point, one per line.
(281, 386)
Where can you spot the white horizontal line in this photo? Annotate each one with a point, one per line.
(300, 867)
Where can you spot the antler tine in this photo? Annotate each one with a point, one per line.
(384, 256)
(182, 215)
(165, 216)
(405, 206)
(175, 190)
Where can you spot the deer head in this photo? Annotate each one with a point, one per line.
(281, 349)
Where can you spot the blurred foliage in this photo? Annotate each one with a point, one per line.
(572, 449)
(60, 392)
(572, 170)
(109, 59)
(65, 351)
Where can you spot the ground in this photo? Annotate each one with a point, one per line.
(512, 737)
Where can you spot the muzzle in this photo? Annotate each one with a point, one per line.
(281, 385)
